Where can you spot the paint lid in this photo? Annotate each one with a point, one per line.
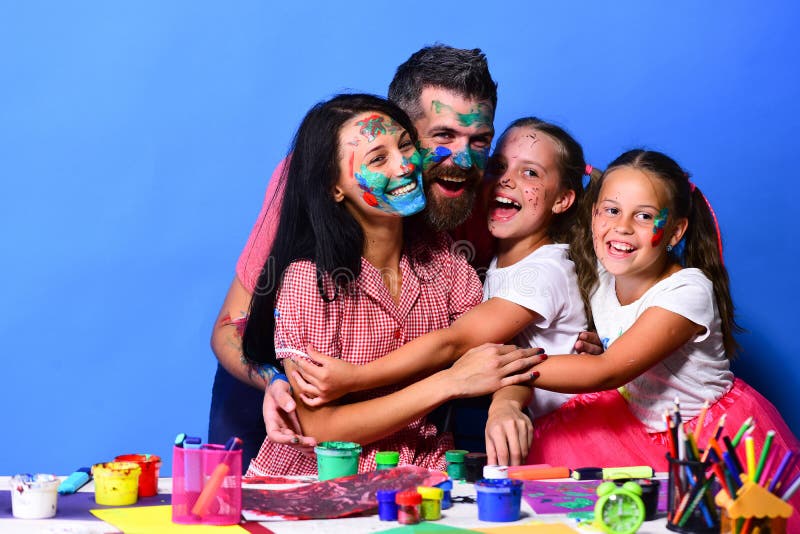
(387, 457)
(475, 458)
(385, 495)
(455, 456)
(428, 492)
(116, 469)
(495, 471)
(408, 498)
(36, 482)
(498, 485)
(139, 458)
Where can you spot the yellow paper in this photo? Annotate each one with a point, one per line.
(153, 520)
(536, 527)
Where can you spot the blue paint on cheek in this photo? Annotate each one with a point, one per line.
(463, 159)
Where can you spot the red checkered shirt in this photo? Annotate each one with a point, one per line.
(363, 324)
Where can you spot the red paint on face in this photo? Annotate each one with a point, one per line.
(352, 156)
(370, 199)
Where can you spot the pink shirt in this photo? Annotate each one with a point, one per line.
(363, 324)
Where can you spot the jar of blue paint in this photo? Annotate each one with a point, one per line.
(499, 499)
(447, 488)
(387, 507)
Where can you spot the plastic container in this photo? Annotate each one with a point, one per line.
(116, 483)
(34, 496)
(455, 464)
(473, 463)
(386, 460)
(431, 507)
(447, 487)
(408, 507)
(337, 459)
(206, 485)
(148, 479)
(499, 499)
(387, 506)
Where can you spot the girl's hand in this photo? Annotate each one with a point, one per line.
(508, 434)
(489, 367)
(322, 379)
(588, 343)
(281, 420)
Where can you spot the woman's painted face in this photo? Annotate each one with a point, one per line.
(380, 166)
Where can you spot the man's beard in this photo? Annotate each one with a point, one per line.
(446, 213)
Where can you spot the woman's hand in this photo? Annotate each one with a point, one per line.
(322, 379)
(489, 367)
(508, 434)
(281, 420)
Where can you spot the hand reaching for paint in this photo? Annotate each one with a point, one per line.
(322, 379)
(489, 367)
(281, 420)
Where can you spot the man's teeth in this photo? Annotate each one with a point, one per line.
(402, 190)
(508, 202)
(452, 179)
(622, 247)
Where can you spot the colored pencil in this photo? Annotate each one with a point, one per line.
(698, 428)
(779, 472)
(750, 455)
(762, 460)
(792, 489)
(699, 491)
(747, 424)
(762, 480)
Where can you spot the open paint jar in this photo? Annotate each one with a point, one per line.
(499, 499)
(116, 483)
(34, 496)
(150, 464)
(337, 459)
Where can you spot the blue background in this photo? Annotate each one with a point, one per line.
(136, 140)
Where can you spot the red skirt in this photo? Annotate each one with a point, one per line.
(598, 430)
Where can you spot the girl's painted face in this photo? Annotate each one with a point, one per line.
(527, 191)
(379, 167)
(632, 224)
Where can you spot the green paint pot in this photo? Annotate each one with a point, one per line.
(337, 459)
(386, 460)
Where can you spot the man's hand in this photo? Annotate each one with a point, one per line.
(508, 434)
(322, 379)
(589, 343)
(281, 420)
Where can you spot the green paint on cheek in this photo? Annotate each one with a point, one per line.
(479, 157)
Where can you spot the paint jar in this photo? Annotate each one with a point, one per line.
(431, 507)
(499, 499)
(150, 464)
(473, 465)
(116, 483)
(337, 459)
(447, 488)
(495, 471)
(455, 464)
(408, 507)
(206, 485)
(34, 496)
(386, 460)
(387, 506)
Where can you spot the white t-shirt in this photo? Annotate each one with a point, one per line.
(543, 282)
(696, 372)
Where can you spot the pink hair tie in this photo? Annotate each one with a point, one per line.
(692, 187)
(588, 170)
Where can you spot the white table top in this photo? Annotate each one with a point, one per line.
(460, 515)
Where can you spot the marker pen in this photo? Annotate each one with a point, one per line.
(75, 481)
(611, 473)
(193, 464)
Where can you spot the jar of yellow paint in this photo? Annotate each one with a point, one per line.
(116, 483)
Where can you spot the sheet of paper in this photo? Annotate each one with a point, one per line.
(154, 520)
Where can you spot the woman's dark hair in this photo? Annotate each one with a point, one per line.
(312, 225)
(701, 243)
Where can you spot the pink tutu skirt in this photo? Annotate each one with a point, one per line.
(598, 430)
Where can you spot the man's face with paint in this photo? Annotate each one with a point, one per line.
(455, 134)
(379, 167)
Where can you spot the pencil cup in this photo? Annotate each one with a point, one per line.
(206, 485)
(690, 503)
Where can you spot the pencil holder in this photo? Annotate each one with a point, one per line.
(690, 503)
(206, 485)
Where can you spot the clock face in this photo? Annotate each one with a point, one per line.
(620, 512)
